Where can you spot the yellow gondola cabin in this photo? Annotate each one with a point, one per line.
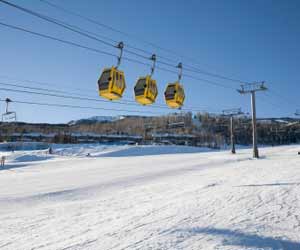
(174, 95)
(111, 83)
(145, 90)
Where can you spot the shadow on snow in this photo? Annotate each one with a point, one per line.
(236, 238)
(271, 184)
(155, 150)
(13, 166)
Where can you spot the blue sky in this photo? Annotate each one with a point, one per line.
(248, 40)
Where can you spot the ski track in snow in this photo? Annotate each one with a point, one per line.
(153, 198)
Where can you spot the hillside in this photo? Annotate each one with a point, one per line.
(199, 129)
(151, 197)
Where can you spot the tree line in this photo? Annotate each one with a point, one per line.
(204, 129)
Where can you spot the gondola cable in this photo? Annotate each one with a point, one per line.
(82, 98)
(85, 33)
(109, 54)
(124, 101)
(77, 106)
(90, 20)
(190, 68)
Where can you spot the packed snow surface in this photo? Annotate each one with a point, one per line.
(151, 197)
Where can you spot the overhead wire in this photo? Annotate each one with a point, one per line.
(56, 90)
(64, 96)
(169, 51)
(94, 36)
(39, 83)
(69, 27)
(56, 39)
(274, 105)
(54, 21)
(110, 54)
(84, 98)
(72, 28)
(42, 83)
(90, 20)
(94, 22)
(36, 88)
(287, 100)
(187, 68)
(67, 95)
(75, 106)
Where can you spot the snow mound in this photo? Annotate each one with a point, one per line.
(95, 150)
(154, 150)
(27, 156)
(82, 150)
(32, 157)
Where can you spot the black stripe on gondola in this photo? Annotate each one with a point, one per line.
(138, 92)
(169, 97)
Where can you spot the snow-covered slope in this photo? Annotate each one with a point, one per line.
(189, 200)
(108, 150)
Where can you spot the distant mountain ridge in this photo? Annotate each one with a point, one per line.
(96, 119)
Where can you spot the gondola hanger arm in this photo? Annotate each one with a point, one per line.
(179, 66)
(153, 58)
(121, 47)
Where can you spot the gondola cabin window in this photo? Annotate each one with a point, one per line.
(170, 92)
(104, 80)
(140, 87)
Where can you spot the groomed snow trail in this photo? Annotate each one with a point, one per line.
(159, 200)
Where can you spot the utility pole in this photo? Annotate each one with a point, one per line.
(231, 113)
(252, 88)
